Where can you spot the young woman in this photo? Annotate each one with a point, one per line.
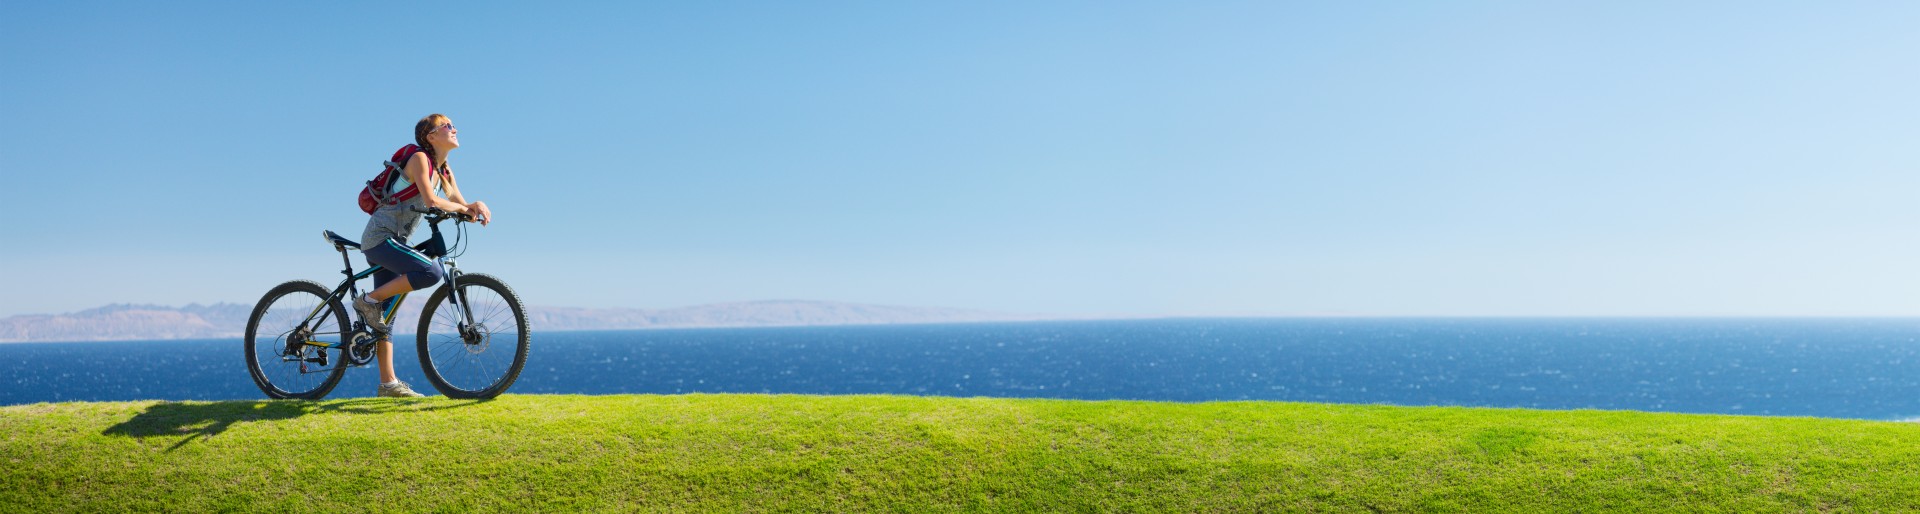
(384, 242)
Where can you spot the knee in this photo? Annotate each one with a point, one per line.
(424, 279)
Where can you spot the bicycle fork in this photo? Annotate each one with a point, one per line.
(458, 298)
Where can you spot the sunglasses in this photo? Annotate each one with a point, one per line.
(446, 126)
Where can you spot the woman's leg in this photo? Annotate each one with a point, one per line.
(404, 270)
(383, 349)
(390, 288)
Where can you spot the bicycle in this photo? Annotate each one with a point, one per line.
(461, 320)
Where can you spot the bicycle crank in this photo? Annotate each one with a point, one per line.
(360, 349)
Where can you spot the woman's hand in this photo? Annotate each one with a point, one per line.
(480, 209)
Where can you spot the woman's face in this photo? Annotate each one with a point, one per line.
(444, 135)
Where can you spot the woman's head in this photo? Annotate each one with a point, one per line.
(435, 133)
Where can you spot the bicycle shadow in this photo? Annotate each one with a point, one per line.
(201, 420)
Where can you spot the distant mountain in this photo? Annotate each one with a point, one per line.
(223, 320)
(126, 321)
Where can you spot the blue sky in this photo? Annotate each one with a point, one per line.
(1079, 158)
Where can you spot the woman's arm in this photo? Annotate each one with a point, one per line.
(418, 173)
(477, 208)
(453, 190)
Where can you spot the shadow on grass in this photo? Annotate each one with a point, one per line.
(198, 420)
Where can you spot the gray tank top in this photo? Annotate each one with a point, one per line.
(397, 221)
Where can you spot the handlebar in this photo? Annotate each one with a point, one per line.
(436, 214)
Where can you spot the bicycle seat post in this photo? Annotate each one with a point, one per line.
(345, 263)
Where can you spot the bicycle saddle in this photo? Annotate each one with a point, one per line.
(336, 239)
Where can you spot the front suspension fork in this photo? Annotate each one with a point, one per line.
(458, 298)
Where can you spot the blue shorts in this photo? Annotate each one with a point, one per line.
(400, 261)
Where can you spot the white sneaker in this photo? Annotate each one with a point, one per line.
(370, 314)
(397, 389)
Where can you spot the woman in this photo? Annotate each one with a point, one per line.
(384, 242)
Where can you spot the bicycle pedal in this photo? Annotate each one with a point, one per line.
(318, 358)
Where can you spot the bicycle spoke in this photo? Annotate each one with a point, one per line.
(496, 310)
(454, 364)
(486, 370)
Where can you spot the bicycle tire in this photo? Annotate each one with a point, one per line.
(465, 369)
(298, 298)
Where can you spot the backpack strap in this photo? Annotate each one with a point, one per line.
(408, 155)
(396, 171)
(404, 154)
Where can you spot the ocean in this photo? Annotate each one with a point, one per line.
(1837, 368)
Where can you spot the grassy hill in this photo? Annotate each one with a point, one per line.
(726, 453)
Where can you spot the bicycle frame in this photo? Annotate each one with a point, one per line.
(348, 290)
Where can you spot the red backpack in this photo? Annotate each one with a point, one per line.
(375, 196)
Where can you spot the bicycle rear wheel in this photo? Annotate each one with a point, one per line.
(279, 354)
(480, 359)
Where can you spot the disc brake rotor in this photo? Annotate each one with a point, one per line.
(476, 337)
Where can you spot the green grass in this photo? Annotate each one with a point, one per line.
(727, 453)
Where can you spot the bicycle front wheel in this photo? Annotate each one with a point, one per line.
(473, 341)
(284, 338)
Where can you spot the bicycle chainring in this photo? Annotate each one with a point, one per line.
(360, 350)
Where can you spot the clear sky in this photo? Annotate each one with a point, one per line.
(1082, 158)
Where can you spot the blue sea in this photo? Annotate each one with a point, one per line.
(1839, 368)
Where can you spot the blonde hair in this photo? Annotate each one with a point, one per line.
(420, 131)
